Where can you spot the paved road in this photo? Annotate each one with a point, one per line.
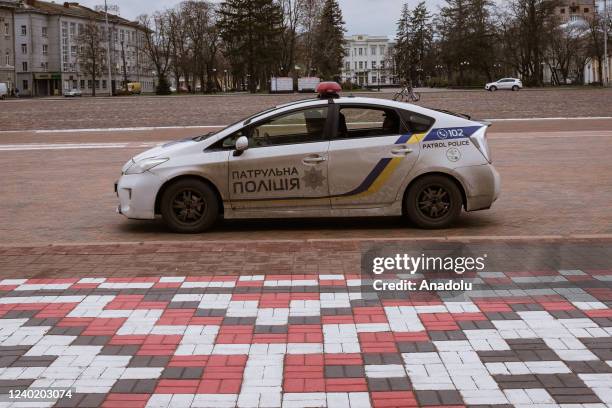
(27, 114)
(555, 182)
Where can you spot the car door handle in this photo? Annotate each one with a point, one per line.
(401, 150)
(313, 159)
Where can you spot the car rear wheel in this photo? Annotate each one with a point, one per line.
(433, 202)
(515, 88)
(189, 206)
(493, 88)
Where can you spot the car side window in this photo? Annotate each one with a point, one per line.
(303, 126)
(416, 122)
(361, 122)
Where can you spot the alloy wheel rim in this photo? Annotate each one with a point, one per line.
(188, 206)
(434, 202)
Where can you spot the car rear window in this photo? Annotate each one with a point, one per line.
(416, 122)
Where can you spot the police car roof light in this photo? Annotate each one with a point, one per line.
(329, 90)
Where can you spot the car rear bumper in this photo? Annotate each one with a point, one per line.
(137, 193)
(482, 185)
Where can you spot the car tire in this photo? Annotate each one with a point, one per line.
(515, 88)
(433, 202)
(493, 88)
(189, 206)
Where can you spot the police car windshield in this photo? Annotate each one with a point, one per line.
(204, 137)
(284, 105)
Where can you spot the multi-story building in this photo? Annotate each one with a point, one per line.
(47, 50)
(368, 60)
(575, 10)
(7, 43)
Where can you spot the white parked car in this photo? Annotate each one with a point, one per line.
(326, 157)
(3, 90)
(72, 92)
(511, 84)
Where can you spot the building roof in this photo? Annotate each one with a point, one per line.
(71, 9)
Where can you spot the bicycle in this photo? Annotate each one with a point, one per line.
(407, 94)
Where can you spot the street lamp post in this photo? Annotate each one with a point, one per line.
(606, 78)
(108, 57)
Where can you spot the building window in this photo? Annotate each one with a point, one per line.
(361, 51)
(97, 84)
(7, 29)
(89, 83)
(7, 58)
(373, 50)
(24, 66)
(73, 50)
(104, 84)
(72, 29)
(360, 64)
(24, 30)
(82, 83)
(25, 85)
(562, 11)
(44, 31)
(348, 66)
(373, 64)
(45, 48)
(80, 29)
(586, 9)
(24, 48)
(355, 64)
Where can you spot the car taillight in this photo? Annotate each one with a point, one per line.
(479, 138)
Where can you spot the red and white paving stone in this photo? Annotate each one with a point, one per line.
(309, 341)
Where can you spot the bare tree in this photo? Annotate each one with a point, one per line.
(92, 52)
(308, 20)
(179, 44)
(292, 13)
(526, 35)
(157, 46)
(567, 47)
(199, 19)
(595, 29)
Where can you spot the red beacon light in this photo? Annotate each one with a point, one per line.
(328, 90)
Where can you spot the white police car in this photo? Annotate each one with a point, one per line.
(326, 157)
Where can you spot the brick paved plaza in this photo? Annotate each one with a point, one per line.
(528, 337)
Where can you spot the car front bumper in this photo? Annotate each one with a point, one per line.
(482, 185)
(137, 193)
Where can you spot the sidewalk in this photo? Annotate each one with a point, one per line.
(308, 256)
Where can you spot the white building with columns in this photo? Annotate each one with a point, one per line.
(368, 60)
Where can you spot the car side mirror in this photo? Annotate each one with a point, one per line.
(241, 145)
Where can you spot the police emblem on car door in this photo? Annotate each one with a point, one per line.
(285, 164)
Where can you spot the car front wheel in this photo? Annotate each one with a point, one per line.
(433, 202)
(189, 206)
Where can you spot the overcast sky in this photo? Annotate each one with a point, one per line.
(374, 17)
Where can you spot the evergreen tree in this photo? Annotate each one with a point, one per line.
(329, 41)
(414, 43)
(250, 30)
(402, 45)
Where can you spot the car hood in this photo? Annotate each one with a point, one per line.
(166, 149)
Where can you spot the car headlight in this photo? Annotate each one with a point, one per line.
(143, 165)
